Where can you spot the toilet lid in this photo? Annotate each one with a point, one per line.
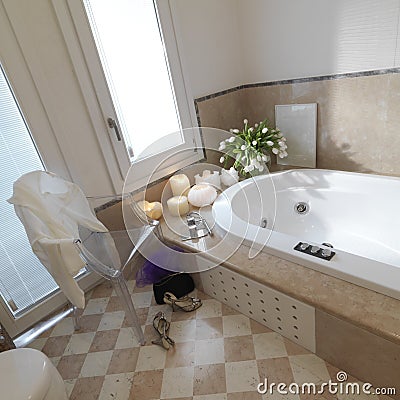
(24, 374)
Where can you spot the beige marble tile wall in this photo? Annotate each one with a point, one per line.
(358, 118)
(358, 352)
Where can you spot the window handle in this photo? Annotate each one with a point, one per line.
(113, 125)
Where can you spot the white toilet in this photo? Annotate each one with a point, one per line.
(27, 374)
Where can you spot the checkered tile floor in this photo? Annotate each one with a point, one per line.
(219, 354)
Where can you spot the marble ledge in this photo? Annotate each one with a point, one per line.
(369, 310)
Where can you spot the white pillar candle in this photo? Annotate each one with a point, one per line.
(178, 205)
(179, 184)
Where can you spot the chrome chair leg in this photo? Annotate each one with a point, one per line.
(122, 291)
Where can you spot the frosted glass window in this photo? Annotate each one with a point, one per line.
(24, 281)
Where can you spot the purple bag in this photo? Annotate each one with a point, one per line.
(151, 273)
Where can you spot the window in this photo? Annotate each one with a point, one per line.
(139, 83)
(24, 281)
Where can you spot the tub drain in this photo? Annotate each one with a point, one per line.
(301, 207)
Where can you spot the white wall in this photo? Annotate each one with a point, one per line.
(226, 43)
(210, 44)
(286, 39)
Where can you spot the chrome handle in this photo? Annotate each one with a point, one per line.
(113, 125)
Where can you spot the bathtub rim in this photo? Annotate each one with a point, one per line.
(349, 267)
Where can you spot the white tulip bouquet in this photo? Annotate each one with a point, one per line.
(251, 148)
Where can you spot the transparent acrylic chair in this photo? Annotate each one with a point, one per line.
(93, 249)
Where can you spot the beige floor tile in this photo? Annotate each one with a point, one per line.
(89, 323)
(275, 370)
(103, 290)
(104, 340)
(242, 376)
(87, 388)
(146, 385)
(96, 306)
(70, 367)
(55, 346)
(209, 379)
(183, 331)
(236, 325)
(269, 345)
(294, 349)
(209, 328)
(226, 310)
(211, 308)
(277, 396)
(126, 339)
(180, 355)
(256, 327)
(123, 360)
(218, 396)
(244, 396)
(37, 343)
(150, 334)
(240, 348)
(112, 320)
(141, 314)
(64, 327)
(116, 386)
(309, 368)
(151, 358)
(96, 364)
(114, 304)
(209, 351)
(177, 382)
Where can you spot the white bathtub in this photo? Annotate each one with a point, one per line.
(357, 213)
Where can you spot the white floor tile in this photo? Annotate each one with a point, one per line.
(241, 376)
(309, 368)
(183, 331)
(236, 325)
(209, 351)
(111, 320)
(96, 364)
(64, 327)
(126, 339)
(210, 308)
(177, 382)
(269, 345)
(79, 343)
(96, 306)
(116, 387)
(151, 358)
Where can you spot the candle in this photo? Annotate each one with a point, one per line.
(212, 179)
(178, 205)
(202, 195)
(179, 184)
(152, 210)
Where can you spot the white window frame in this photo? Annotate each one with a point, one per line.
(81, 45)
